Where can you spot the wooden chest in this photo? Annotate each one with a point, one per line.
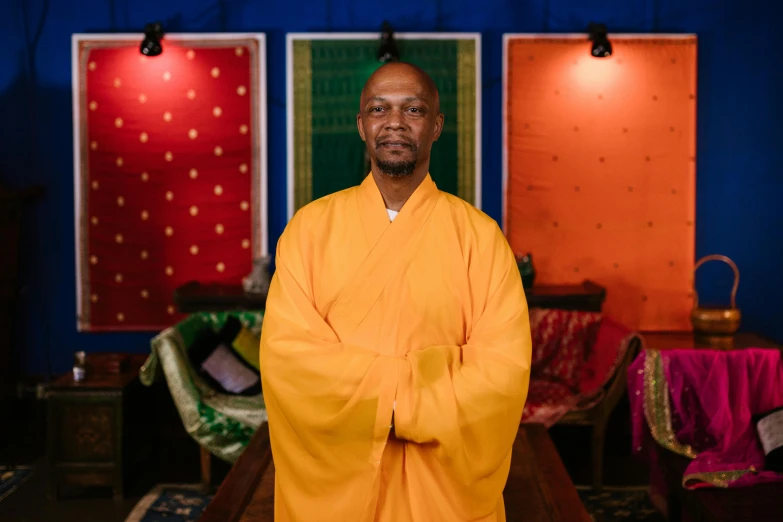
(87, 440)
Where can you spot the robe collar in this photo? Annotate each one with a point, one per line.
(373, 212)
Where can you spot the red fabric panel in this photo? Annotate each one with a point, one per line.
(165, 184)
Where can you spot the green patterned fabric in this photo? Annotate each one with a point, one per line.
(219, 422)
(328, 76)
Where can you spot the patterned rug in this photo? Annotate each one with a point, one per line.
(10, 479)
(170, 503)
(185, 503)
(620, 504)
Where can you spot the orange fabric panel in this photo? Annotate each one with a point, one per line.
(601, 170)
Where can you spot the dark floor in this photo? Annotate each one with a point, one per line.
(177, 461)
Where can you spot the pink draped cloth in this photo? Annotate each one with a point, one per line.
(700, 403)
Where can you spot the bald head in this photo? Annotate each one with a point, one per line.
(402, 71)
(399, 119)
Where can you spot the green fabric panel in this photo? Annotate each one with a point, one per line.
(439, 59)
(339, 70)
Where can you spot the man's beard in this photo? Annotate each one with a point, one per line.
(398, 168)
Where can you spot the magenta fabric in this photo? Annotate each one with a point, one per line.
(713, 395)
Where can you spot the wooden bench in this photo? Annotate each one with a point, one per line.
(538, 488)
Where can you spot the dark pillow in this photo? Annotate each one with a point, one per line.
(212, 355)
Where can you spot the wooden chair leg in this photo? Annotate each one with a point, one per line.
(599, 430)
(206, 470)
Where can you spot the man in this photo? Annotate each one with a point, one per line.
(395, 351)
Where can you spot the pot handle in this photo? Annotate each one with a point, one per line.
(716, 257)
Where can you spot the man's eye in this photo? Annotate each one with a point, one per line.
(376, 109)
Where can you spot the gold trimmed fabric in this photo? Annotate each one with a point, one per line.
(657, 408)
(466, 120)
(303, 124)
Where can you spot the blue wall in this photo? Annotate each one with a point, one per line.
(740, 126)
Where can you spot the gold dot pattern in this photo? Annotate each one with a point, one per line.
(137, 245)
(605, 198)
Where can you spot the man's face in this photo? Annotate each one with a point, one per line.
(399, 119)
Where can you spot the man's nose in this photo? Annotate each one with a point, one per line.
(395, 120)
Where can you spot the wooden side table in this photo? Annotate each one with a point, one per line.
(86, 444)
(195, 297)
(760, 502)
(675, 340)
(586, 296)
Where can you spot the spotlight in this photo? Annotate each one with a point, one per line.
(153, 33)
(388, 50)
(602, 47)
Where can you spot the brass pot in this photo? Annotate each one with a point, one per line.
(711, 320)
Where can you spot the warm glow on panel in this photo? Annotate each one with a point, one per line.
(593, 73)
(600, 161)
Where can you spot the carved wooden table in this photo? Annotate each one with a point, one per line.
(86, 441)
(538, 487)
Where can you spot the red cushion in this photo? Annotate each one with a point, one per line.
(561, 344)
(547, 402)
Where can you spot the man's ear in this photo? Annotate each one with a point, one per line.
(360, 126)
(438, 127)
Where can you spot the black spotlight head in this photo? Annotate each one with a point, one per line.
(153, 33)
(602, 47)
(388, 52)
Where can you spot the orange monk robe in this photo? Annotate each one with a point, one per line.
(427, 311)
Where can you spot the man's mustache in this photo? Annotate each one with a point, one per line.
(389, 139)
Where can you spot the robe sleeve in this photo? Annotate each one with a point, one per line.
(467, 401)
(329, 403)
